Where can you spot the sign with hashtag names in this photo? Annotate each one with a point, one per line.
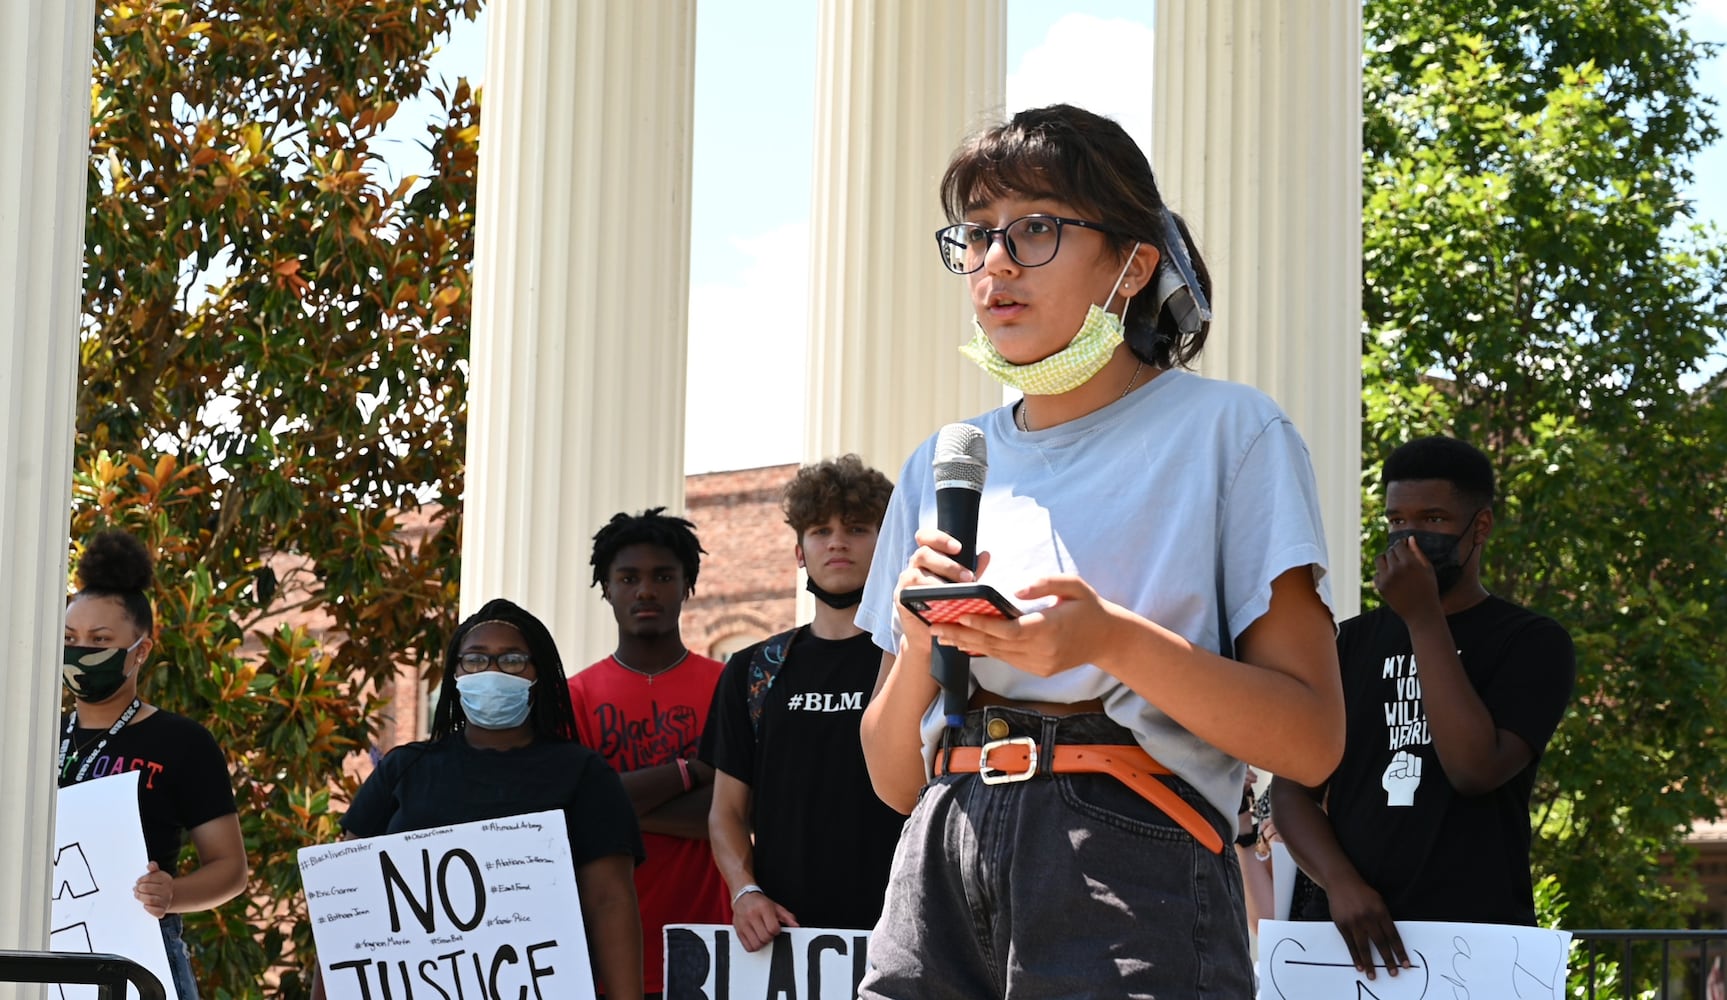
(706, 962)
(482, 910)
(1308, 960)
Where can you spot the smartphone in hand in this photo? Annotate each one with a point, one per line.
(945, 602)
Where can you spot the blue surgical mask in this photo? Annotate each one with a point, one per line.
(492, 699)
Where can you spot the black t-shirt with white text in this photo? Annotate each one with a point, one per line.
(824, 842)
(183, 779)
(1430, 852)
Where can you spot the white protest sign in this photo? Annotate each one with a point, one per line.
(707, 962)
(1282, 880)
(99, 855)
(481, 910)
(1299, 960)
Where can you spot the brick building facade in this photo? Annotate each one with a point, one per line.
(748, 587)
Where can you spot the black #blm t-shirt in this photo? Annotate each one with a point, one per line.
(824, 842)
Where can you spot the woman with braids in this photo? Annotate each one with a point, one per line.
(1160, 533)
(183, 781)
(502, 744)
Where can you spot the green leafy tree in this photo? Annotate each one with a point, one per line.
(1533, 283)
(273, 368)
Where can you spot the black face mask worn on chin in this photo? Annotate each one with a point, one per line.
(1440, 549)
(841, 601)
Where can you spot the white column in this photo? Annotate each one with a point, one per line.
(1258, 145)
(45, 55)
(581, 281)
(899, 84)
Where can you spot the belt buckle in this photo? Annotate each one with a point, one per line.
(1000, 777)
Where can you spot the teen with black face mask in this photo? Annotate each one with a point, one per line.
(1427, 816)
(183, 784)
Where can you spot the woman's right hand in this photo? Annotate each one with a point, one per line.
(932, 563)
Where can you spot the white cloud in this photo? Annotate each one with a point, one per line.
(1102, 65)
(745, 403)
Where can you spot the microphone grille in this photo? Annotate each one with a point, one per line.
(961, 456)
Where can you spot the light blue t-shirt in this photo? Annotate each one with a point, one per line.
(1181, 502)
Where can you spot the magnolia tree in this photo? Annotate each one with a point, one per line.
(273, 368)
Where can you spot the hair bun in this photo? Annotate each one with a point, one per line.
(114, 561)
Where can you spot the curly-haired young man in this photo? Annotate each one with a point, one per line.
(796, 830)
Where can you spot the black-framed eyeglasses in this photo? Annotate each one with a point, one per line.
(1031, 240)
(509, 663)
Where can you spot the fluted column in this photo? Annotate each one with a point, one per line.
(45, 56)
(1258, 144)
(581, 296)
(899, 84)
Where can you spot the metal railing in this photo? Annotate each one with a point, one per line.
(108, 973)
(1685, 959)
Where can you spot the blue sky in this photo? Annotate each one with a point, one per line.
(754, 125)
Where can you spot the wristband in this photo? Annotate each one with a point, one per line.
(1249, 838)
(745, 891)
(684, 772)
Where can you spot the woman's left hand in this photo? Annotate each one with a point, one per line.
(156, 891)
(1065, 635)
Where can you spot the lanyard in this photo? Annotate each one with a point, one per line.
(90, 758)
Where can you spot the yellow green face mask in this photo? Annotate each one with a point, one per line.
(1067, 369)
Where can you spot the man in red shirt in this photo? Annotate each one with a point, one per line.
(643, 709)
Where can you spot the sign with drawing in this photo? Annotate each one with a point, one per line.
(706, 962)
(485, 909)
(1307, 960)
(99, 855)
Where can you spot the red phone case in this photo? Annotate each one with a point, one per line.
(949, 611)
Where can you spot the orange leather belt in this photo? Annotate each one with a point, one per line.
(1016, 759)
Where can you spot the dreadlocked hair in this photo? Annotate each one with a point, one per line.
(650, 527)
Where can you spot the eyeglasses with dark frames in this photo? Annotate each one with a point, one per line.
(1031, 240)
(509, 663)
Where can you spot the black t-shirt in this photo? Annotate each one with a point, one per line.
(183, 783)
(418, 786)
(1431, 853)
(823, 842)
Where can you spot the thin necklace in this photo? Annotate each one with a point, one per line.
(78, 753)
(1020, 412)
(643, 673)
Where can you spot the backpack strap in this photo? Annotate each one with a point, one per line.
(765, 665)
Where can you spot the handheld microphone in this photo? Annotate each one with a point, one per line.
(961, 460)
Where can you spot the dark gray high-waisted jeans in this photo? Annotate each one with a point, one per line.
(1066, 885)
